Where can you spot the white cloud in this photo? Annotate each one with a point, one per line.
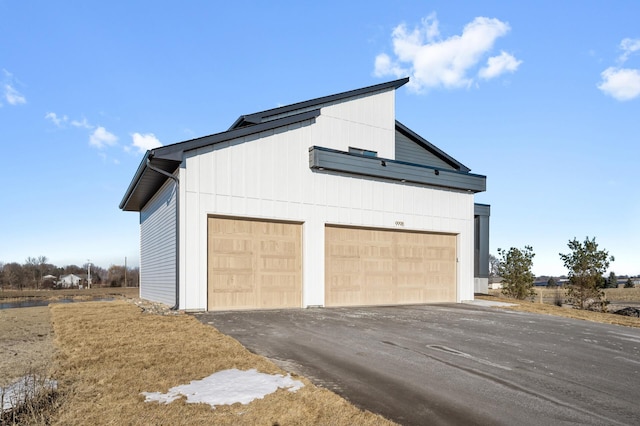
(384, 66)
(53, 117)
(13, 96)
(61, 121)
(434, 62)
(432, 27)
(628, 46)
(101, 138)
(622, 84)
(498, 65)
(9, 92)
(82, 124)
(145, 141)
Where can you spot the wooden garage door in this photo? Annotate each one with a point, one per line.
(388, 267)
(253, 264)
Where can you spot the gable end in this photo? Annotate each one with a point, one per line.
(413, 148)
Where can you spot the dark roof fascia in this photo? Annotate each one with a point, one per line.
(431, 147)
(259, 117)
(135, 181)
(482, 209)
(169, 158)
(326, 159)
(176, 150)
(147, 181)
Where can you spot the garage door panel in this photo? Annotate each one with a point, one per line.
(389, 267)
(254, 264)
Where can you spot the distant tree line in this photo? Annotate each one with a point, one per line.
(37, 273)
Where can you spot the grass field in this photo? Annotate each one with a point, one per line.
(6, 295)
(547, 295)
(110, 352)
(543, 303)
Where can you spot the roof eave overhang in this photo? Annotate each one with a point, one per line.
(146, 181)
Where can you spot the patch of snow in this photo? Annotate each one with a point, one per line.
(227, 387)
(25, 388)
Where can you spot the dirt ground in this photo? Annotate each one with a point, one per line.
(26, 334)
(26, 342)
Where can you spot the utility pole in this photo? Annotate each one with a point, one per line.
(125, 271)
(88, 273)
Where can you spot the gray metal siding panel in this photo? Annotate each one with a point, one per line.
(339, 161)
(481, 209)
(481, 240)
(158, 246)
(409, 151)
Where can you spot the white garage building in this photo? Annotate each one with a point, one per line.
(327, 202)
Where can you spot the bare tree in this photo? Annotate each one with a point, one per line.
(494, 264)
(13, 274)
(42, 264)
(73, 269)
(115, 276)
(133, 277)
(31, 266)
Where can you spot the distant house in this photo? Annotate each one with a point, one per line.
(495, 283)
(70, 280)
(49, 281)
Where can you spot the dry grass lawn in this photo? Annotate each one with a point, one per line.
(549, 309)
(25, 343)
(110, 352)
(623, 294)
(79, 294)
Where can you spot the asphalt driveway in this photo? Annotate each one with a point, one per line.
(454, 364)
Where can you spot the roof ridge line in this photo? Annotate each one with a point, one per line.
(257, 117)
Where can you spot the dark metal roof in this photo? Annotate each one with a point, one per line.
(146, 182)
(259, 117)
(431, 148)
(174, 151)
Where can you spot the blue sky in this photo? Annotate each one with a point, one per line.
(542, 97)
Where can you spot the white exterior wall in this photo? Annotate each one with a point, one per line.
(367, 123)
(158, 246)
(268, 176)
(481, 285)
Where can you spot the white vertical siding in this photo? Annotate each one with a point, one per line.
(367, 123)
(268, 176)
(158, 246)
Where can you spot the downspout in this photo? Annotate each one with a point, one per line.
(175, 179)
